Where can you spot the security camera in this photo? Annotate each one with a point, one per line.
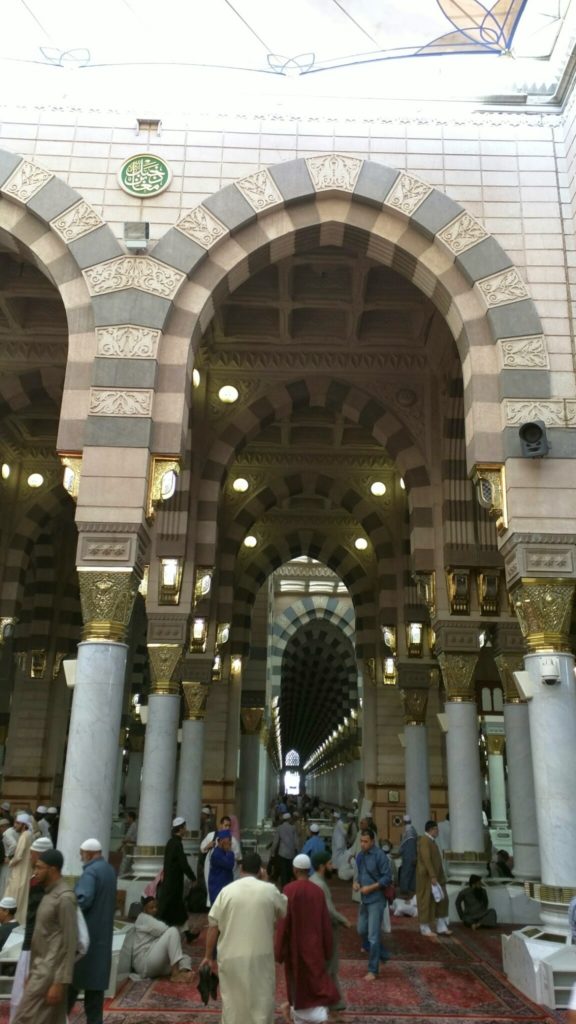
(550, 671)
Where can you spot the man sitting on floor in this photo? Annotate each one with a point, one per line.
(472, 905)
(158, 947)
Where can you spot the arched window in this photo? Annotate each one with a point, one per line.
(292, 759)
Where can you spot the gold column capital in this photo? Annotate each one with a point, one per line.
(195, 698)
(495, 743)
(107, 599)
(544, 610)
(164, 659)
(458, 675)
(507, 665)
(251, 720)
(415, 704)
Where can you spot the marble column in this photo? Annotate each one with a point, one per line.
(160, 752)
(463, 765)
(521, 796)
(251, 722)
(416, 771)
(544, 610)
(495, 741)
(134, 773)
(107, 599)
(190, 774)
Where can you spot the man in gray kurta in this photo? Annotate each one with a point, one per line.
(53, 951)
(96, 894)
(323, 869)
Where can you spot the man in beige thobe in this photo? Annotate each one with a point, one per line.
(54, 943)
(242, 920)
(430, 872)
(20, 868)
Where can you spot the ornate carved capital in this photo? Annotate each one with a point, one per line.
(495, 744)
(251, 720)
(507, 665)
(415, 704)
(544, 609)
(107, 599)
(458, 675)
(195, 698)
(164, 660)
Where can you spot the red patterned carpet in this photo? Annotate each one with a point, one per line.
(425, 982)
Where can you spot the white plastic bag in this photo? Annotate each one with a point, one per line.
(437, 892)
(83, 943)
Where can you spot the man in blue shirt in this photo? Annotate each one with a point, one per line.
(314, 843)
(373, 868)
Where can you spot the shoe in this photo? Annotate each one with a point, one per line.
(370, 976)
(213, 985)
(204, 983)
(442, 934)
(428, 935)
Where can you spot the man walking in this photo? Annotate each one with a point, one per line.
(285, 847)
(96, 895)
(374, 875)
(323, 870)
(431, 894)
(53, 947)
(304, 945)
(241, 920)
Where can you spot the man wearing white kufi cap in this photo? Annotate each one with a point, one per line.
(35, 894)
(96, 895)
(20, 867)
(8, 920)
(41, 822)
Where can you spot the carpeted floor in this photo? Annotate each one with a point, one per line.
(425, 982)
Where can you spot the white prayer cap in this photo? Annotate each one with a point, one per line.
(41, 844)
(41, 809)
(286, 816)
(51, 810)
(24, 819)
(8, 903)
(406, 818)
(4, 821)
(206, 810)
(302, 861)
(335, 814)
(5, 806)
(91, 846)
(178, 822)
(314, 827)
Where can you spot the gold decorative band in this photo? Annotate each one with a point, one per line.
(468, 855)
(164, 659)
(165, 688)
(550, 893)
(149, 851)
(458, 675)
(195, 698)
(107, 599)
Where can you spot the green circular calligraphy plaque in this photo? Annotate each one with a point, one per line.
(144, 175)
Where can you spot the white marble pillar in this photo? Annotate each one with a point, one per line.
(251, 721)
(522, 799)
(417, 777)
(92, 755)
(191, 770)
(495, 739)
(159, 769)
(464, 777)
(552, 716)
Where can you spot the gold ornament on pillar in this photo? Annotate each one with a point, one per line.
(251, 720)
(164, 660)
(507, 665)
(544, 610)
(495, 744)
(415, 703)
(458, 676)
(107, 599)
(195, 698)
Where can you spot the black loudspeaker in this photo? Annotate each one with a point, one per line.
(533, 439)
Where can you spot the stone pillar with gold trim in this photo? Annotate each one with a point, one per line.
(190, 772)
(160, 752)
(522, 801)
(250, 751)
(467, 837)
(414, 682)
(494, 735)
(107, 599)
(544, 609)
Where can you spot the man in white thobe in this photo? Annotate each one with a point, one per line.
(18, 881)
(157, 949)
(242, 920)
(338, 842)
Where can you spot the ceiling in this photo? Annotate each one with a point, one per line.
(54, 50)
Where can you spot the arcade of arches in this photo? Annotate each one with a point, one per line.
(297, 514)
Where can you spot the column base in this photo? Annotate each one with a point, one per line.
(147, 861)
(459, 866)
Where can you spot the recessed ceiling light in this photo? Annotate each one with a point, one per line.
(240, 484)
(228, 394)
(378, 488)
(250, 541)
(361, 543)
(35, 480)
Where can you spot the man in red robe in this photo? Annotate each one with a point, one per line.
(303, 943)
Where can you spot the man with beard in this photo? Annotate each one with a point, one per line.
(323, 871)
(304, 945)
(171, 906)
